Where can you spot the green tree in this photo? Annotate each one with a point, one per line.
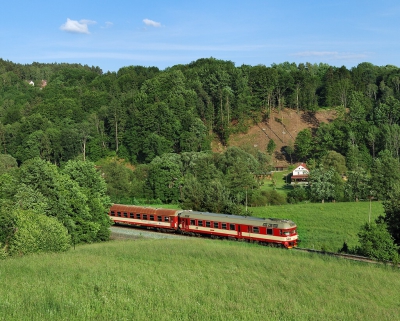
(289, 149)
(334, 160)
(304, 144)
(357, 185)
(376, 242)
(7, 162)
(271, 146)
(94, 187)
(321, 184)
(385, 174)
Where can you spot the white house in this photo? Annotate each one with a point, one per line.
(300, 175)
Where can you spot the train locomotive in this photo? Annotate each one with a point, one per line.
(267, 231)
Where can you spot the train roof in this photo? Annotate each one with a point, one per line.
(144, 210)
(237, 219)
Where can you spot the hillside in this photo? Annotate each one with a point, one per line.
(282, 127)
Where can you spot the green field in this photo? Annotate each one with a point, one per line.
(325, 226)
(194, 279)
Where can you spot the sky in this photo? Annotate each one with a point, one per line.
(119, 33)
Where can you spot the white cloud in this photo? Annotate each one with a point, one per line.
(77, 26)
(152, 23)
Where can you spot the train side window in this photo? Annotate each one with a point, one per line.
(119, 214)
(256, 230)
(200, 223)
(269, 231)
(216, 225)
(125, 214)
(159, 218)
(166, 219)
(112, 213)
(224, 226)
(138, 216)
(192, 222)
(208, 224)
(131, 215)
(232, 227)
(151, 217)
(145, 216)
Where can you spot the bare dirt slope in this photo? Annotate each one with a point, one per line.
(282, 127)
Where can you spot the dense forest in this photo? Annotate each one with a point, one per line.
(162, 123)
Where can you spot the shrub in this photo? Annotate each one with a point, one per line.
(376, 242)
(296, 195)
(263, 198)
(36, 233)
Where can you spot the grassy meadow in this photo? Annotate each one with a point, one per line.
(325, 226)
(194, 279)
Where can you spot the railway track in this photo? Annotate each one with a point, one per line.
(345, 256)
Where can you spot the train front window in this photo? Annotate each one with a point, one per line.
(287, 233)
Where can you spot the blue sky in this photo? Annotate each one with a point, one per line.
(114, 34)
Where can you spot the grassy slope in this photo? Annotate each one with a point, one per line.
(194, 279)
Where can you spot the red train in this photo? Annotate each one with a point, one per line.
(270, 231)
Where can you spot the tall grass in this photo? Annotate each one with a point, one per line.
(194, 279)
(325, 226)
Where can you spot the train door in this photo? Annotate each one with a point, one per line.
(239, 231)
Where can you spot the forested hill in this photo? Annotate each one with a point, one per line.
(57, 119)
(140, 113)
